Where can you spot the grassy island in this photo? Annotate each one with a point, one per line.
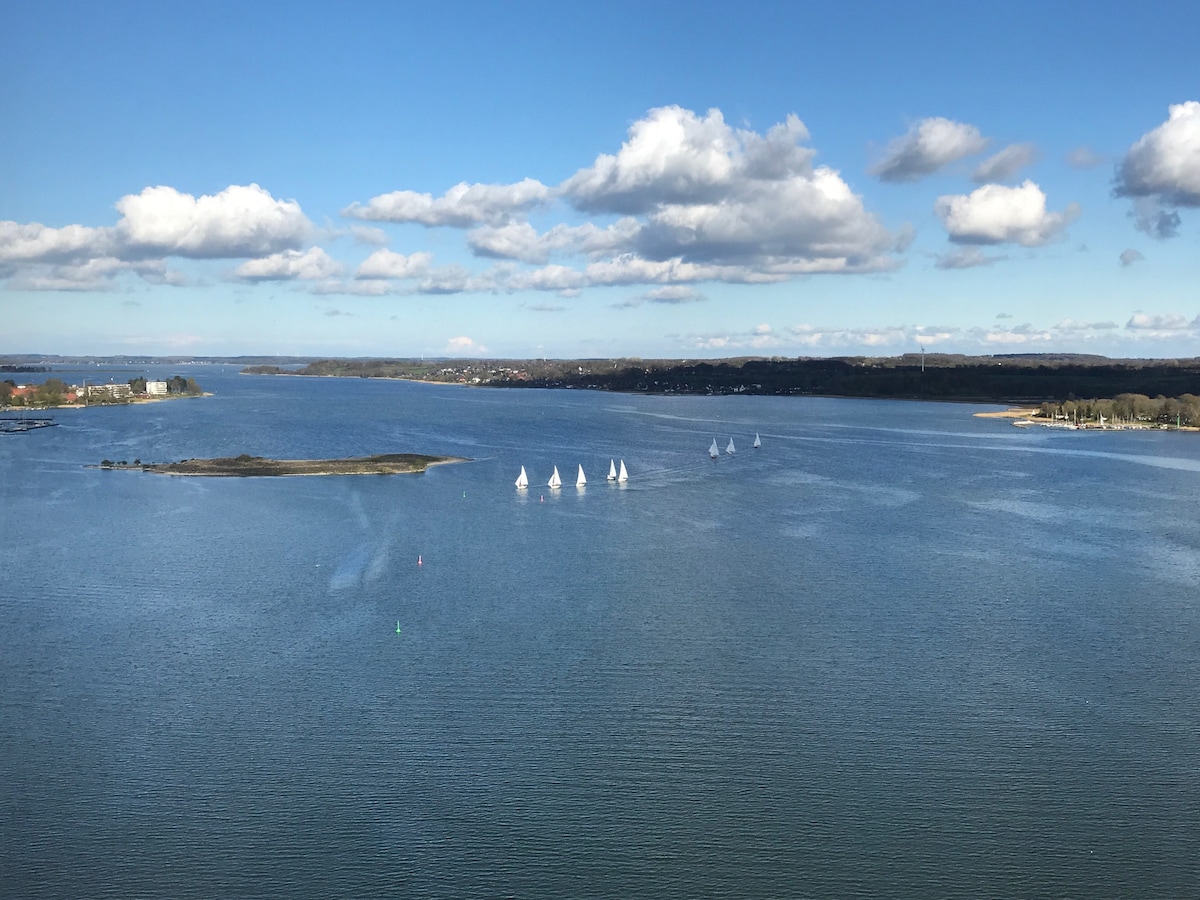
(246, 466)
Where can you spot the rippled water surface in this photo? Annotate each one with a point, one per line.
(896, 652)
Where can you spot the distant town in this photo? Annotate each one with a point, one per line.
(54, 392)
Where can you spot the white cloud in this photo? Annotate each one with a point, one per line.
(1129, 256)
(36, 242)
(1071, 326)
(1168, 322)
(675, 156)
(732, 199)
(548, 278)
(1019, 336)
(1004, 165)
(1165, 163)
(384, 263)
(702, 201)
(521, 241)
(96, 274)
(311, 265)
(929, 145)
(160, 222)
(995, 214)
(240, 221)
(462, 206)
(465, 346)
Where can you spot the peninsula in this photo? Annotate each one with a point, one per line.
(246, 466)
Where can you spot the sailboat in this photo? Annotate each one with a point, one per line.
(612, 470)
(522, 479)
(730, 449)
(713, 451)
(624, 476)
(757, 441)
(555, 481)
(580, 481)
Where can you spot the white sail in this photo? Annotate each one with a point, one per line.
(522, 479)
(580, 481)
(713, 451)
(612, 470)
(730, 449)
(555, 481)
(624, 476)
(757, 441)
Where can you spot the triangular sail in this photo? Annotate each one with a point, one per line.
(612, 470)
(555, 481)
(522, 479)
(580, 481)
(624, 476)
(757, 441)
(730, 449)
(713, 451)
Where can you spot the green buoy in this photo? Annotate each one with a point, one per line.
(397, 626)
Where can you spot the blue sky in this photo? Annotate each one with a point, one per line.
(620, 179)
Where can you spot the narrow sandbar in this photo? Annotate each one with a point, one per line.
(246, 466)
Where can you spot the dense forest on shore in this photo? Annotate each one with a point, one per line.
(1022, 378)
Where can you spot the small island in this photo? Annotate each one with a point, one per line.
(247, 466)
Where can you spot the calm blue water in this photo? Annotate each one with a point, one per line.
(897, 652)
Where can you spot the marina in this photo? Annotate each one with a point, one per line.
(23, 423)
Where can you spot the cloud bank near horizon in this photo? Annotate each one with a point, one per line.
(685, 199)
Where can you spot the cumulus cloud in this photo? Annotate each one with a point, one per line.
(462, 206)
(521, 241)
(1165, 163)
(929, 145)
(310, 265)
(35, 242)
(465, 346)
(1004, 165)
(674, 156)
(695, 199)
(384, 263)
(1019, 335)
(1129, 256)
(240, 222)
(1168, 322)
(90, 275)
(548, 278)
(995, 214)
(712, 195)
